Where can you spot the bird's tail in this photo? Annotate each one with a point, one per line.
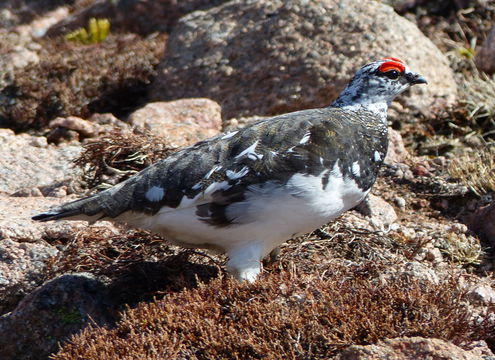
(89, 209)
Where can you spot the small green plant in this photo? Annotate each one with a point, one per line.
(69, 316)
(97, 32)
(466, 52)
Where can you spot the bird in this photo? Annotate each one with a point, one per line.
(245, 192)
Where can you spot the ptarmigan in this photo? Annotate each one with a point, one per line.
(245, 192)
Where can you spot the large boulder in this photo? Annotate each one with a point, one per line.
(24, 245)
(271, 56)
(181, 122)
(21, 269)
(140, 16)
(50, 314)
(29, 161)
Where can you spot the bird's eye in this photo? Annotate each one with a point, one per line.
(392, 74)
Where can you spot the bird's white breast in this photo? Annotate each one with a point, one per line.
(270, 214)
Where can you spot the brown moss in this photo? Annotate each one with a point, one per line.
(111, 76)
(287, 316)
(137, 264)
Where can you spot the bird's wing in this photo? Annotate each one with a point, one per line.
(215, 173)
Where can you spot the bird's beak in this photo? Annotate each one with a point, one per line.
(416, 79)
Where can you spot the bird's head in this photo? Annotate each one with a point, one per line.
(378, 83)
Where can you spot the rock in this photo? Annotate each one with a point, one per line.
(16, 224)
(84, 127)
(16, 53)
(36, 14)
(485, 57)
(52, 313)
(397, 152)
(22, 57)
(380, 212)
(39, 26)
(434, 255)
(412, 348)
(236, 124)
(182, 122)
(482, 294)
(21, 267)
(108, 122)
(28, 161)
(482, 222)
(133, 15)
(23, 248)
(417, 270)
(402, 6)
(28, 192)
(400, 202)
(271, 56)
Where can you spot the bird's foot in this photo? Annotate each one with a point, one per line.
(245, 262)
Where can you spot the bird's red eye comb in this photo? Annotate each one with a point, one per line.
(392, 64)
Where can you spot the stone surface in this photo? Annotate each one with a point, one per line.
(420, 271)
(16, 51)
(16, 224)
(50, 314)
(83, 127)
(181, 122)
(380, 213)
(133, 15)
(482, 294)
(397, 152)
(413, 348)
(485, 57)
(271, 56)
(109, 122)
(28, 161)
(24, 251)
(39, 26)
(21, 265)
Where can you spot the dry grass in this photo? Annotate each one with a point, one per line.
(476, 170)
(321, 296)
(112, 158)
(137, 264)
(479, 101)
(469, 123)
(285, 316)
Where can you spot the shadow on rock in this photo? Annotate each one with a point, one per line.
(69, 303)
(145, 281)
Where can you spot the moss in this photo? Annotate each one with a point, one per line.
(289, 316)
(111, 76)
(69, 316)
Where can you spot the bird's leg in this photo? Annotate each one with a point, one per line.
(245, 261)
